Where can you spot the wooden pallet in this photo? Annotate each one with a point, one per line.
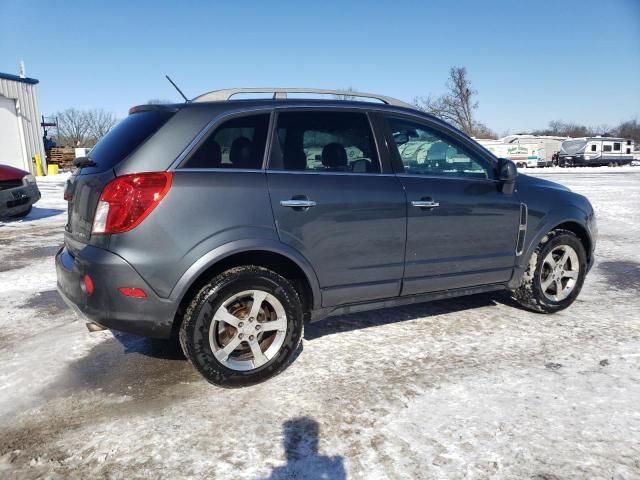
(63, 156)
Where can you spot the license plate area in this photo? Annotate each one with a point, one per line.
(19, 198)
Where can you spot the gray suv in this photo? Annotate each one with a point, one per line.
(231, 222)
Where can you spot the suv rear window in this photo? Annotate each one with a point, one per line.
(124, 138)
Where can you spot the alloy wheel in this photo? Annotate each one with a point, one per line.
(559, 273)
(248, 330)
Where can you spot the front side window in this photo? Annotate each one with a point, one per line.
(324, 142)
(426, 152)
(606, 148)
(593, 148)
(617, 146)
(237, 143)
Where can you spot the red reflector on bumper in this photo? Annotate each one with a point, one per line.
(88, 285)
(132, 292)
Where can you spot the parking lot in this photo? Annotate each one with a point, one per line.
(471, 387)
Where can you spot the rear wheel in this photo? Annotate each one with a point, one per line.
(242, 327)
(555, 274)
(564, 163)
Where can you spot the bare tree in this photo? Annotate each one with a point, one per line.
(346, 96)
(100, 122)
(83, 128)
(480, 130)
(73, 127)
(457, 106)
(566, 129)
(629, 129)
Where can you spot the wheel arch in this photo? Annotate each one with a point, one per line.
(572, 224)
(272, 255)
(580, 231)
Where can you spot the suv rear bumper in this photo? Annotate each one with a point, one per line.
(150, 317)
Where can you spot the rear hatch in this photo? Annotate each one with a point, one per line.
(85, 186)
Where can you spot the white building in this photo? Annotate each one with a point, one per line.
(20, 132)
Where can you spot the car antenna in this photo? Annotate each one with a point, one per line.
(178, 89)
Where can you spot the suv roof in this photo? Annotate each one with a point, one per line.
(280, 93)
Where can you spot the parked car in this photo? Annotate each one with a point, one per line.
(18, 192)
(230, 223)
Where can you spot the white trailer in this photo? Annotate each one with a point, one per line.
(544, 146)
(596, 151)
(524, 155)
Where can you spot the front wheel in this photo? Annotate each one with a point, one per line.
(555, 273)
(242, 327)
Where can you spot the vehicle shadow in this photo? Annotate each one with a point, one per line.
(357, 321)
(35, 214)
(168, 349)
(38, 213)
(300, 441)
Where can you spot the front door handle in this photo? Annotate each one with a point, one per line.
(425, 203)
(298, 203)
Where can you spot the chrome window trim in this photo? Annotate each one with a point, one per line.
(447, 177)
(219, 170)
(311, 172)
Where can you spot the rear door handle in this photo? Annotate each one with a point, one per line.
(426, 203)
(295, 203)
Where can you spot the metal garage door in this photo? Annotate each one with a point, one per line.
(11, 152)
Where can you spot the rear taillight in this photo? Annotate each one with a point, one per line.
(126, 201)
(88, 285)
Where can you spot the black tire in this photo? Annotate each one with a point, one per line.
(194, 330)
(529, 294)
(22, 214)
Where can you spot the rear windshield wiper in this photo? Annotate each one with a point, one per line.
(82, 162)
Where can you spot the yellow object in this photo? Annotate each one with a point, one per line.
(39, 171)
(52, 169)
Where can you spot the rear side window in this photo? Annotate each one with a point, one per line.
(124, 138)
(237, 143)
(606, 148)
(325, 142)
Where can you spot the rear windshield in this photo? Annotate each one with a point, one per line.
(124, 138)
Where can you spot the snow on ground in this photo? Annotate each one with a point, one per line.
(470, 387)
(580, 170)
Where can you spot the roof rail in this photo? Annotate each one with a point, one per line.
(281, 94)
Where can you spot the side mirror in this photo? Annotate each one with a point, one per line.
(507, 173)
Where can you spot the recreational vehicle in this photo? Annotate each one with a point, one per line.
(523, 155)
(596, 151)
(544, 146)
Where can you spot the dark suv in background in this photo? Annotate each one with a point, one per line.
(232, 222)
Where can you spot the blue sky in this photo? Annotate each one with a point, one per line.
(531, 62)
